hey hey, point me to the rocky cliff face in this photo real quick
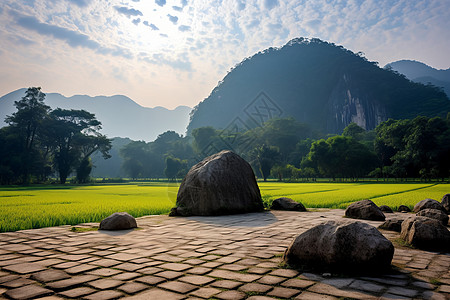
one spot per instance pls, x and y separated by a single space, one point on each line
348 103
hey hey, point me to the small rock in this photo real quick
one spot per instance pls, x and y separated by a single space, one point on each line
343 246
445 202
426 233
394 224
366 210
403 209
434 214
118 221
285 203
386 209
428 203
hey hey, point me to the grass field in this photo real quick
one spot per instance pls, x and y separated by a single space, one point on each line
35 207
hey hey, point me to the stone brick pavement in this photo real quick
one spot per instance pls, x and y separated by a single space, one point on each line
227 257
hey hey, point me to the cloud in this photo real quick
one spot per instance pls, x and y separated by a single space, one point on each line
152 26
180 63
73 38
173 19
80 3
129 12
184 3
18 40
269 4
136 21
163 35
184 28
177 8
160 2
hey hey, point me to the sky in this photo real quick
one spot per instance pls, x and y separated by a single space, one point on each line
174 52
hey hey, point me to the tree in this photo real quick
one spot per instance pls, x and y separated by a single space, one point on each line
354 131
173 167
266 157
76 136
26 123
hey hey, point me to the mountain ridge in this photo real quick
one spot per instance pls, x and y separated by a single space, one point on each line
137 123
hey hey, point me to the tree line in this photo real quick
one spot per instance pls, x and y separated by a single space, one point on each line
39 142
288 150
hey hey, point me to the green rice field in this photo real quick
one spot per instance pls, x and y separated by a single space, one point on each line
44 206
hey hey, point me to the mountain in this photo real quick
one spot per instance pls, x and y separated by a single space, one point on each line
318 83
120 116
420 72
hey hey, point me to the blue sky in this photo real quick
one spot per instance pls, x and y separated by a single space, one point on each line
170 53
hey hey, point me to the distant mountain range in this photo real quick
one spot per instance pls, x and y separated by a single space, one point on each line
317 83
120 116
420 72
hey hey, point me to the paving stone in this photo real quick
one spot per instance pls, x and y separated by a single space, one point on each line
259 298
366 286
322 288
255 287
78 292
25 268
338 282
175 266
259 271
28 292
103 284
196 280
228 259
273 280
211 264
169 274
234 276
298 283
177 286
393 297
151 280
80 269
226 284
129 267
18 283
123 256
104 295
444 288
284 273
126 276
283 292
71 282
104 272
66 265
402 291
49 262
230 295
105 262
233 267
314 296
429 295
199 270
133 287
156 293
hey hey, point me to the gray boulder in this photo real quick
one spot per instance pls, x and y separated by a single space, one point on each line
445 202
386 209
428 203
118 221
426 233
342 246
366 210
403 209
285 203
434 214
221 184
394 224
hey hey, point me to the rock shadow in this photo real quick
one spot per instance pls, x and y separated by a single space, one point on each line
257 219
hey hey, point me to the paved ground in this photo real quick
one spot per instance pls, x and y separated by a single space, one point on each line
230 257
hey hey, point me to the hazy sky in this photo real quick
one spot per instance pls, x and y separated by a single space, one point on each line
173 52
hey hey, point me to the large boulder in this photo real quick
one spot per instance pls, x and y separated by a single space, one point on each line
445 202
285 203
403 209
366 210
428 203
118 221
434 214
426 233
394 224
221 184
343 246
386 209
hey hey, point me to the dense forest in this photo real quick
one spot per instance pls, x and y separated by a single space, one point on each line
40 144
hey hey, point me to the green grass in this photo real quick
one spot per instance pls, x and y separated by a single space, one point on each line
44 206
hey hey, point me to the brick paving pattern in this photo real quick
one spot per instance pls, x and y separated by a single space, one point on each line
226 257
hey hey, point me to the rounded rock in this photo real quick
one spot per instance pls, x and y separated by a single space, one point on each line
118 221
365 210
285 203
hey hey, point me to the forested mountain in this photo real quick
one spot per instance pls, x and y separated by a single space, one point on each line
420 72
318 83
120 116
